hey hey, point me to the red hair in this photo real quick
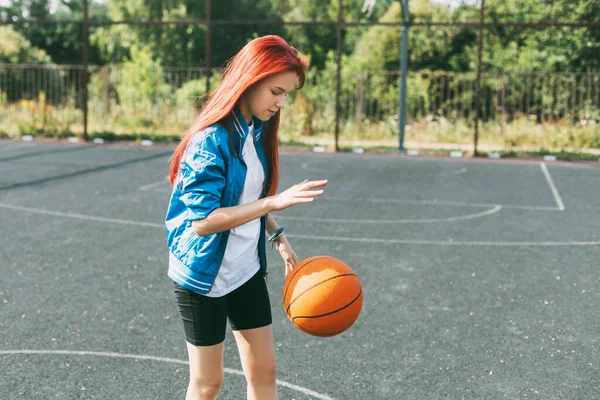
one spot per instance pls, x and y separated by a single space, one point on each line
257 60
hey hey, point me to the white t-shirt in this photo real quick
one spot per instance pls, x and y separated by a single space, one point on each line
240 261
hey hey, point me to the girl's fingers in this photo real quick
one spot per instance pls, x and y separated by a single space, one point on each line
288 268
302 200
308 193
319 183
314 184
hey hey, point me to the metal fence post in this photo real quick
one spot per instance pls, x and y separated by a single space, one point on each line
404 69
478 80
84 84
338 75
207 41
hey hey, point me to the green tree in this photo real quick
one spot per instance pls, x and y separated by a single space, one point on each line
319 40
16 49
432 48
181 45
19 83
63 42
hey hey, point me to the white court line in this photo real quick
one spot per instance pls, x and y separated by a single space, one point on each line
329 220
153 185
80 216
396 221
310 237
557 198
153 358
442 203
400 201
440 242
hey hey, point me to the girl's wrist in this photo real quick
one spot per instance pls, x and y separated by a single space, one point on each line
276 238
276 235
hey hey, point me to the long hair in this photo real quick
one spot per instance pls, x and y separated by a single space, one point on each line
257 60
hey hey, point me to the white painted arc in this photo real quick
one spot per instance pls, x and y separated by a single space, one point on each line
440 203
311 237
288 385
155 225
152 187
80 216
491 211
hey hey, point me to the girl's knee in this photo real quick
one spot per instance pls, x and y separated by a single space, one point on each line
206 388
263 373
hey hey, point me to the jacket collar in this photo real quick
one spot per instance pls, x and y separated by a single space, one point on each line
241 126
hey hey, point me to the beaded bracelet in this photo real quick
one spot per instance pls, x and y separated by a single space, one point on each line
275 236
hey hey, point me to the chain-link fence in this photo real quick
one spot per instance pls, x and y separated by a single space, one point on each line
341 104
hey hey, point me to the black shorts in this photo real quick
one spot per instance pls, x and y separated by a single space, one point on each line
205 318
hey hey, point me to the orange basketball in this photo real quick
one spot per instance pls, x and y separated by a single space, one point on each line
322 296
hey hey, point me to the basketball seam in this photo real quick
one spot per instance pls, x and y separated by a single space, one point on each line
331 312
296 270
314 286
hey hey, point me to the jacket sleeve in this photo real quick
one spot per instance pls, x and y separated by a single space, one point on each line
202 178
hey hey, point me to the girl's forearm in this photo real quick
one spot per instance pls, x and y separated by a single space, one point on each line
272 225
226 218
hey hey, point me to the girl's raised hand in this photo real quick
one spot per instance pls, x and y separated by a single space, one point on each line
298 194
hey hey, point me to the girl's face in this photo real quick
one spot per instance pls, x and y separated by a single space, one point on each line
265 98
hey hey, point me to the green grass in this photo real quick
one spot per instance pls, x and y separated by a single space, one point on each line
519 133
519 138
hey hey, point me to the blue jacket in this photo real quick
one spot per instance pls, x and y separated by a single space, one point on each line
212 175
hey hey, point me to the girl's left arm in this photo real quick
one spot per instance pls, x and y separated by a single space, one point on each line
283 246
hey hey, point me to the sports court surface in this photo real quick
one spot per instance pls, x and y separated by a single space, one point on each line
481 278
